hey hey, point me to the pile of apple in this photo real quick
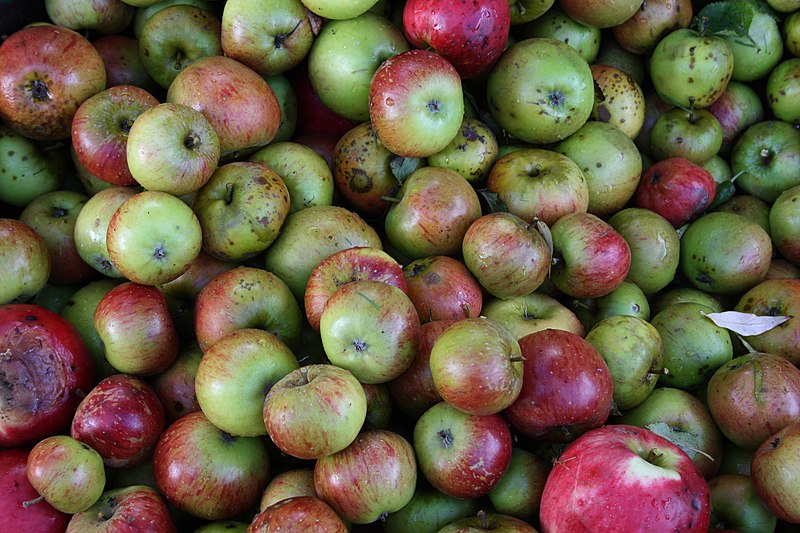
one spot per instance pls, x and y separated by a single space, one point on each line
421 266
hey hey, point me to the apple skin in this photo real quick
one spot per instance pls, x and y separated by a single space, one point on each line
25 260
303 513
641 32
29 168
519 491
676 189
47 72
737 108
753 396
488 522
47 369
287 484
774 473
767 153
208 473
442 288
556 24
122 419
104 17
460 454
374 476
16 490
735 504
533 312
428 511
175 385
601 470
123 63
567 388
132 509
695 135
134 324
784 223
778 297
470 35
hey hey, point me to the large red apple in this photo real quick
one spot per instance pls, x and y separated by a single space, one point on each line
676 189
15 490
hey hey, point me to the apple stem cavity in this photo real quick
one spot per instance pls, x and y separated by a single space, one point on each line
59 212
229 193
766 156
281 37
29 503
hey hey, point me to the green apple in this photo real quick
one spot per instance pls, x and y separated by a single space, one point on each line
791 33
755 55
775 297
471 153
523 11
523 315
338 10
625 300
428 511
145 12
519 491
784 223
768 155
606 14
287 101
105 17
749 207
719 169
694 135
24 259
736 505
27 169
555 24
677 295
783 90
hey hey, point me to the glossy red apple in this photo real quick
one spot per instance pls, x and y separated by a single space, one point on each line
302 513
442 288
16 490
676 189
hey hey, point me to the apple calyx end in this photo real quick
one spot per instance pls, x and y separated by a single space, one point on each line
446 436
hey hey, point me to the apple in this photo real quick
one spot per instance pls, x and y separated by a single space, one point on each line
695 135
333 9
523 315
241 210
782 89
123 63
345 266
420 115
620 102
737 108
428 511
775 298
735 504
105 16
287 102
644 29
749 207
784 218
172 148
774 473
46 371
767 153
555 24
47 72
234 376
535 183
208 473
471 36
135 509
442 288
567 388
379 406
40 517
484 521
676 189
375 476
370 328
519 491
287 484
462 455
315 410
134 325
153 237
174 386
306 513
524 11
121 418
24 258
67 473
540 90
624 478
29 168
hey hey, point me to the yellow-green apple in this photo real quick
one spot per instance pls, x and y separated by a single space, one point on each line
175 37
695 135
753 396
523 11
345 266
605 14
626 300
434 208
153 237
241 210
47 72
413 391
53 215
145 12
91 227
136 329
540 90
17 490
683 419
90 183
375 476
100 130
767 154
246 297
121 418
750 207
784 223
175 385
567 388
620 101
536 183
24 258
442 288
725 253
476 366
104 17
755 55
303 513
555 24
46 371
675 295
791 33
507 255
471 153
245 119
370 328
304 172
590 258
783 90
297 481
336 10
234 376
610 162
134 508
737 108
120 53
428 511
315 410
416 103
654 106
296 251
633 350
462 455
29 168
523 315
488 521
775 471
778 297
172 148
736 505
470 35
691 69
676 189
67 473
366 173
344 57
519 491
645 28
600 470
269 39
287 102
208 473
654 245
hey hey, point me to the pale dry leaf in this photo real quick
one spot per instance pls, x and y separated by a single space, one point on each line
746 324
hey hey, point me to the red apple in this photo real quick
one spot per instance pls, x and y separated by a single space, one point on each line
676 189
442 288
131 509
175 385
16 490
775 471
288 484
302 513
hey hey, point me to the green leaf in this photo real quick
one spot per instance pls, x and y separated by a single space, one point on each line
403 167
727 17
725 192
493 202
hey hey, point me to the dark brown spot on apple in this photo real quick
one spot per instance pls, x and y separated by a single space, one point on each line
59 212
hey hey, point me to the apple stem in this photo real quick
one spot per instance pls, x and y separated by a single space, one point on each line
390 199
659 372
304 374
468 309
228 193
484 518
178 59
517 359
34 501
